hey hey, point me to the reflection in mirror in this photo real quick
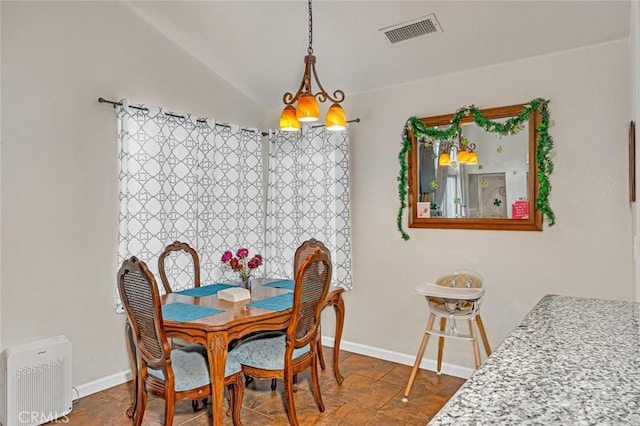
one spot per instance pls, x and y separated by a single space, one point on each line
477 169
479 175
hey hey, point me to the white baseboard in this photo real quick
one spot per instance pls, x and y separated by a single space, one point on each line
400 358
103 383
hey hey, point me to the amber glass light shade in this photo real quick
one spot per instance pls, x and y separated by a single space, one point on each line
288 120
444 159
336 118
308 108
463 156
473 158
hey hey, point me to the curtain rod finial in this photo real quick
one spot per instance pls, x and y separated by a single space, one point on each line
105 101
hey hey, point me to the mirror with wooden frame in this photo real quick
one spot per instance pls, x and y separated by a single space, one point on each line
475 178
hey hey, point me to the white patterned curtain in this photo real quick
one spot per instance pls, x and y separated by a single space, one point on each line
187 179
308 197
231 197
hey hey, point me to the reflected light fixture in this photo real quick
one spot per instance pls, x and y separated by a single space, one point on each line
444 159
307 109
473 158
463 156
464 152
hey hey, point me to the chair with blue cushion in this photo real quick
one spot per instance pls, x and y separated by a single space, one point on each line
173 375
285 356
179 265
179 258
304 250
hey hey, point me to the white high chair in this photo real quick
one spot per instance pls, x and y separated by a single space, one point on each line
454 296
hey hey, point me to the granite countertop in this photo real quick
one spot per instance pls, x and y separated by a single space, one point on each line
571 361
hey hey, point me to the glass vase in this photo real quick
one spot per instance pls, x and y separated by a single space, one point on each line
246 282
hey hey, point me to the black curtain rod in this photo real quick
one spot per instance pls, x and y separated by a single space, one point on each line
200 120
355 120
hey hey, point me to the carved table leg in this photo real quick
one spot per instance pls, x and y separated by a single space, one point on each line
217 352
338 307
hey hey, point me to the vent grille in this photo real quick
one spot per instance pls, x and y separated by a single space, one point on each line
38 391
412 29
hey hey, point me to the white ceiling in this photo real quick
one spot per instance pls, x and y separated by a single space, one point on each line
259 46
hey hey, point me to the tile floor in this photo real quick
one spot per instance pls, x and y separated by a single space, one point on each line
370 395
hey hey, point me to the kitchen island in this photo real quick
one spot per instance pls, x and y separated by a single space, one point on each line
571 361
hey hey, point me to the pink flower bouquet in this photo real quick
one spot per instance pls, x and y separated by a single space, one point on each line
241 263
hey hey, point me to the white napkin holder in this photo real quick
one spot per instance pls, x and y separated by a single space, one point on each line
234 294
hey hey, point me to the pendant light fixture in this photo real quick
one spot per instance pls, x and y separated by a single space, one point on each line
307 109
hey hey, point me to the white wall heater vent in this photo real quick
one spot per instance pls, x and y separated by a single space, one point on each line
35 386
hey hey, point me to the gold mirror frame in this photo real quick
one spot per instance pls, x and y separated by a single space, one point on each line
532 223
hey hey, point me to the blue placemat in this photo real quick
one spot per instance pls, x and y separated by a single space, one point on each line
276 303
184 312
288 284
203 291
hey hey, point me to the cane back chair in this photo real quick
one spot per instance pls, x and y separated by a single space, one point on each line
183 264
173 375
305 249
285 356
179 255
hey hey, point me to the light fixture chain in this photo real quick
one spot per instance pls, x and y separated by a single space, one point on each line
307 109
310 48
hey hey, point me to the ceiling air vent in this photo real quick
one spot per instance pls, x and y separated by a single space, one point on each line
412 29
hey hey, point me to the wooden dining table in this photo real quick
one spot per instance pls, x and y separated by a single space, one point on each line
215 332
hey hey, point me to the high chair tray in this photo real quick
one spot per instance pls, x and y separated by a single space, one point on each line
459 293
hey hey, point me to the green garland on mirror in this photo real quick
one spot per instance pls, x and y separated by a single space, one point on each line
510 127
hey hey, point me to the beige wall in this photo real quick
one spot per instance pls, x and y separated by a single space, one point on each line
587 253
59 182
59 169
0 184
634 45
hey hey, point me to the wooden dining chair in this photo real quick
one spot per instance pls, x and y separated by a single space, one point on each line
179 255
304 250
285 356
181 259
173 375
